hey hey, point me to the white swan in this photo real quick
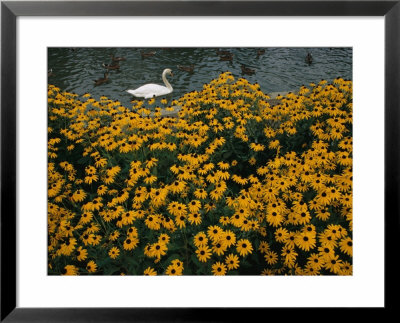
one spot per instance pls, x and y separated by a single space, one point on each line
149 91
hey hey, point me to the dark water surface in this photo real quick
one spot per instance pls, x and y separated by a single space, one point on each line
278 69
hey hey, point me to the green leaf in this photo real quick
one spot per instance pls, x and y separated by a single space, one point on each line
172 257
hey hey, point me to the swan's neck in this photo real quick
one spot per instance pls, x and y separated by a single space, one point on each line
166 81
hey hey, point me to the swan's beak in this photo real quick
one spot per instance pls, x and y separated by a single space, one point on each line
172 74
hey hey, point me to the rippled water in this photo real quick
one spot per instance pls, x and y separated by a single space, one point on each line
278 69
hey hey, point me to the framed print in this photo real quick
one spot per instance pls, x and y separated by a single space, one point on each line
197 158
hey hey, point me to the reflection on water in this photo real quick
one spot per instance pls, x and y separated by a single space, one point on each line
277 69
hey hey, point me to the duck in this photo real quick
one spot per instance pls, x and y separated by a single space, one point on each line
148 54
101 80
50 73
226 57
247 70
223 52
309 59
260 52
117 59
149 91
189 68
113 66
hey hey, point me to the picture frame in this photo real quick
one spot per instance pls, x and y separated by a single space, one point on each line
10 10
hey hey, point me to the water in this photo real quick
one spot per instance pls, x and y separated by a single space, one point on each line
277 70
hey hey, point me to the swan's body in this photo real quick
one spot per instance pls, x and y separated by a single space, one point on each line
149 91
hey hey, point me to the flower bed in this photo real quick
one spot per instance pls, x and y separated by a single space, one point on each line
232 186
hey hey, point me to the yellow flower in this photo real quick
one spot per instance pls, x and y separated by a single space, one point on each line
244 247
91 267
200 193
203 253
131 243
257 147
149 272
173 270
70 270
219 269
232 261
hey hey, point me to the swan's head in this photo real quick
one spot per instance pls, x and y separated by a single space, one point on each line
168 71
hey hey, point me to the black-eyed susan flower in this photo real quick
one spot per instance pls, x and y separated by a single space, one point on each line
114 252
200 239
81 254
274 218
228 238
219 269
194 206
327 239
271 257
132 232
67 247
79 195
200 193
203 253
164 238
195 218
130 243
305 241
214 232
232 261
326 252
208 207
173 270
281 235
346 269
91 266
86 217
346 246
333 264
289 255
153 221
150 272
168 223
177 186
219 247
244 247
87 238
70 270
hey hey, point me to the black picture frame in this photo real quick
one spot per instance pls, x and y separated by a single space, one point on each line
10 10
